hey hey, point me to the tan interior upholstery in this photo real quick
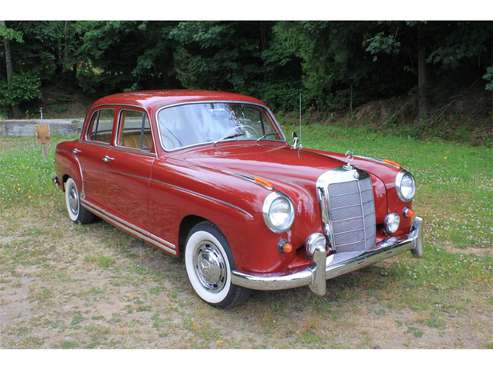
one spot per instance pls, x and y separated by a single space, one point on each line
103 137
132 140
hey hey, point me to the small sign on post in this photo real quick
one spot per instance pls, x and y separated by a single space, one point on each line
43 137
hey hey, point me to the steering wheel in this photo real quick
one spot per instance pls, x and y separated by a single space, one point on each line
252 130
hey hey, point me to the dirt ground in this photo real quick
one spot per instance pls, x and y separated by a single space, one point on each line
64 286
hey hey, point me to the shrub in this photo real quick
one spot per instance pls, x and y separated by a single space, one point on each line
23 88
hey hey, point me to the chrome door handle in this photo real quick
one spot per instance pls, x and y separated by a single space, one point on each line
76 151
107 158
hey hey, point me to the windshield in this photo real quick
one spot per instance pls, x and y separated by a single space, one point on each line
199 123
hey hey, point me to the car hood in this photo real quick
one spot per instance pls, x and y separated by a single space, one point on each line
275 162
293 172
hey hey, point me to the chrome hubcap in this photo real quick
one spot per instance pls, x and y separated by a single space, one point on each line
73 200
210 266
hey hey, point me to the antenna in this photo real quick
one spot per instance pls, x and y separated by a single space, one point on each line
296 138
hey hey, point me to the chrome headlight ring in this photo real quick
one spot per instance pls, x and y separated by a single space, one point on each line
278 212
405 186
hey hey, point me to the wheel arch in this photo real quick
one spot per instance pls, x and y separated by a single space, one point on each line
67 165
65 177
186 224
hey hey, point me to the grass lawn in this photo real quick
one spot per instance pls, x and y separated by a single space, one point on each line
68 286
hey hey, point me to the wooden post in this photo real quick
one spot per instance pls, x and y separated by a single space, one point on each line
43 137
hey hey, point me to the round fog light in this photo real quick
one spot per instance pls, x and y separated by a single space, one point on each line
315 241
391 222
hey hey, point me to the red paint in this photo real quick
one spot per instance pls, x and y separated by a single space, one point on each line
156 192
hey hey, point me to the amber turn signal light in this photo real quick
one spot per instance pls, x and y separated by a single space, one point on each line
409 213
263 182
392 163
285 246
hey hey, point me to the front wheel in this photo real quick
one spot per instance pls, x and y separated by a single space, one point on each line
209 262
76 212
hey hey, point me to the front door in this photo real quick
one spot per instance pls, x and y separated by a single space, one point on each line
129 169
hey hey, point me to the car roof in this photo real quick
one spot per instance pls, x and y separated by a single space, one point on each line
160 98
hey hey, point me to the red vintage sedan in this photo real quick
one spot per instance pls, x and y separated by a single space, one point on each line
210 175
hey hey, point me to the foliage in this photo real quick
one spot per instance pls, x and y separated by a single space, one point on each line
488 76
333 64
10 34
23 87
382 43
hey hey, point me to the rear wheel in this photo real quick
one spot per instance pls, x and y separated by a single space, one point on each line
209 264
76 212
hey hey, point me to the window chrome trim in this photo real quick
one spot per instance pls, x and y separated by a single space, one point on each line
96 111
128 149
277 126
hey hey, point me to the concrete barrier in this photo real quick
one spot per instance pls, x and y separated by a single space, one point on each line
26 127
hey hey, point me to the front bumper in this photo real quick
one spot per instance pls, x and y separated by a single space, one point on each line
324 267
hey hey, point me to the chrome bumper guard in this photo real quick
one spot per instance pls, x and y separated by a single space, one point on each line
324 267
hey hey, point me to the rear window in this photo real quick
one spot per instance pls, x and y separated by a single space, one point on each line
101 126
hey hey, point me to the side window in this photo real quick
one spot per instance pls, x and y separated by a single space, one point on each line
101 126
135 131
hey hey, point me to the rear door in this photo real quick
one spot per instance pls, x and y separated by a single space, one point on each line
129 170
92 153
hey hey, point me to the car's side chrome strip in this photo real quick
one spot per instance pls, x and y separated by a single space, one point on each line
130 228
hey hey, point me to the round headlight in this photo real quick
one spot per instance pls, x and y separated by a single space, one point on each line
405 185
392 221
278 212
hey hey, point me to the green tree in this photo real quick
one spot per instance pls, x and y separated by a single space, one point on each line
9 34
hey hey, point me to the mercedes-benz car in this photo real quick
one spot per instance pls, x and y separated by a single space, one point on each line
210 176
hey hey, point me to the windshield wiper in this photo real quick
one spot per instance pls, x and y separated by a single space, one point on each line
265 135
228 137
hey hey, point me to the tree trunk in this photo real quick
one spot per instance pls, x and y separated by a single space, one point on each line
10 69
8 56
59 55
65 47
263 36
351 100
422 80
491 64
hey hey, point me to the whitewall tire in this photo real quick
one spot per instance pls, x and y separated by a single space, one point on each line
76 212
209 264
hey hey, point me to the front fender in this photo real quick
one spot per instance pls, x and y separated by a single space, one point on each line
234 205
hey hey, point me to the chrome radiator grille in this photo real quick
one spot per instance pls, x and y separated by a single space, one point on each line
348 210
